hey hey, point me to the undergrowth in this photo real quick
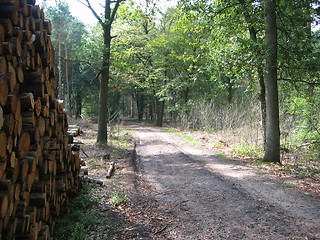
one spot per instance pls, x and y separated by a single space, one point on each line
83 217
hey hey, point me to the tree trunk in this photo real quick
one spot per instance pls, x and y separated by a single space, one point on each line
78 105
59 62
67 94
140 103
106 23
160 112
272 153
104 80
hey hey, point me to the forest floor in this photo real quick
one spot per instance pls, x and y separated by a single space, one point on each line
169 186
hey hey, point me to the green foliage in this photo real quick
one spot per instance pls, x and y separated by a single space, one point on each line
83 217
289 185
246 149
117 196
222 155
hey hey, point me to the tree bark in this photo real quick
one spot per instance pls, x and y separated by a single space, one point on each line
106 23
140 103
59 62
67 89
104 81
272 151
160 112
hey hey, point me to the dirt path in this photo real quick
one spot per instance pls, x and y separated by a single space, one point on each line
186 192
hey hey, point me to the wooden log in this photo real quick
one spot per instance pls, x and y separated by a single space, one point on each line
9 2
38 89
2 32
3 65
18 123
7 187
20 20
27 101
20 75
9 11
47 26
16 43
13 160
33 77
8 28
3 204
34 135
39 24
4 89
1 44
17 190
7 48
3 165
31 2
8 124
38 107
3 144
12 173
41 126
12 77
28 118
1 118
17 33
38 199
25 60
32 24
24 167
35 11
9 144
23 7
12 104
23 145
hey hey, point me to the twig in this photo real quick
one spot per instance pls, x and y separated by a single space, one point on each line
308 144
161 230
84 152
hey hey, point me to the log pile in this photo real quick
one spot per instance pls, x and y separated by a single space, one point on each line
39 166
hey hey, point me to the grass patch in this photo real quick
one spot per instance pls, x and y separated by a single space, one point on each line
289 185
117 197
169 130
83 218
222 155
191 140
303 169
247 149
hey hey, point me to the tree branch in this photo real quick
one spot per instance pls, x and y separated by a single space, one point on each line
115 9
88 5
301 81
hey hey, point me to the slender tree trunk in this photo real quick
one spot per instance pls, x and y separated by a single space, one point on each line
272 152
78 105
59 62
104 82
140 103
160 112
263 105
72 102
106 23
67 87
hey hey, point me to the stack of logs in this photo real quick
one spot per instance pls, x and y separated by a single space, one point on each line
39 166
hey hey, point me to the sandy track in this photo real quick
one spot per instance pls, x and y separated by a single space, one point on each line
202 196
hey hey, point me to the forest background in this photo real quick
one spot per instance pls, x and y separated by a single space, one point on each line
198 66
